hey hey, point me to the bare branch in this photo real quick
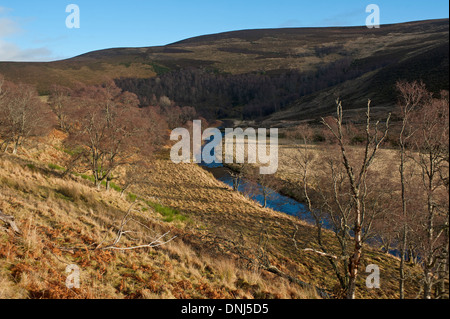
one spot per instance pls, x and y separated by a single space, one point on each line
158 241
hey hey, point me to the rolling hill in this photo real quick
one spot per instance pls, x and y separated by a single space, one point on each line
354 63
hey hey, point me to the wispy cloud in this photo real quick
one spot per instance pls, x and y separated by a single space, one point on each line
50 39
291 23
344 19
4 10
12 52
9 51
8 27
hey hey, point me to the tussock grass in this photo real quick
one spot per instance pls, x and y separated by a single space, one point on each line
64 219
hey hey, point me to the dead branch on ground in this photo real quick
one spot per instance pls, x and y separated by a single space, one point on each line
10 221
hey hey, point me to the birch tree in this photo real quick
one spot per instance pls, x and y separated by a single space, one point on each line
412 97
357 179
431 154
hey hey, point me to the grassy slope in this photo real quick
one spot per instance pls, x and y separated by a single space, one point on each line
62 219
54 213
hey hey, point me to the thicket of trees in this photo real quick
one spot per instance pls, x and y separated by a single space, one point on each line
22 114
106 128
109 128
247 96
425 191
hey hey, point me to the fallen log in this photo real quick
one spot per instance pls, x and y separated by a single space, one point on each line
10 221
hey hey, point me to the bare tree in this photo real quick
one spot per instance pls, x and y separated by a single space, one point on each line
412 96
320 207
237 173
330 203
60 104
357 183
156 126
322 201
430 147
259 184
110 125
22 115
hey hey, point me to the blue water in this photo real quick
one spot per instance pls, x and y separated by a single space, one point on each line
275 200
279 202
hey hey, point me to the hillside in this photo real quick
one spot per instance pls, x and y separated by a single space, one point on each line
354 63
66 220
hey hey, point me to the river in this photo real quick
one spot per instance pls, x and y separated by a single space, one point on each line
275 200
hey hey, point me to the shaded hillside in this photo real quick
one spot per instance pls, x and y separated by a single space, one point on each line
429 65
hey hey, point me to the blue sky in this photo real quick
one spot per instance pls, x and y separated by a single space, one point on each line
36 30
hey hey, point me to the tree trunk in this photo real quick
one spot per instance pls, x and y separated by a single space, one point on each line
429 260
122 193
428 285
403 251
356 257
97 181
5 144
404 242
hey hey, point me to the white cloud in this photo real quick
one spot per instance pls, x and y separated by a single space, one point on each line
4 10
12 52
9 51
8 27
